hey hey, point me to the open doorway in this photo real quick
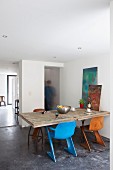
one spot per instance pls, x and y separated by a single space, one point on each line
52 79
10 89
7 114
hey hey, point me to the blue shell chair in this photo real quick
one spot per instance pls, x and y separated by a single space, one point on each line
62 131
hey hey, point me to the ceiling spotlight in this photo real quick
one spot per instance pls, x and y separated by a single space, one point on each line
54 57
79 48
4 36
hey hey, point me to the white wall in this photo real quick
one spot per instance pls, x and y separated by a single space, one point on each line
111 85
71 83
9 68
31 85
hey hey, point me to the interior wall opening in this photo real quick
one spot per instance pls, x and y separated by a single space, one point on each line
52 87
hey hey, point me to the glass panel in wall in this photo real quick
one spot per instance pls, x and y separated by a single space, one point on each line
52 85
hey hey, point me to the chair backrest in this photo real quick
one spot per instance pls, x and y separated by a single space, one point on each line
65 130
39 110
96 123
2 98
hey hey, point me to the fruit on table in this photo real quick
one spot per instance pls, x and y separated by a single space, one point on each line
60 106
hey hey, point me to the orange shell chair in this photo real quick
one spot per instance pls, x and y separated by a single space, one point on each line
96 124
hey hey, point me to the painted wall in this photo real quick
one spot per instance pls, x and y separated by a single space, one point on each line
71 84
9 68
31 85
111 84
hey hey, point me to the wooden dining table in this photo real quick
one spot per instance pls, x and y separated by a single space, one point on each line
37 119
43 119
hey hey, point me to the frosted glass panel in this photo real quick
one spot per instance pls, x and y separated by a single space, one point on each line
52 84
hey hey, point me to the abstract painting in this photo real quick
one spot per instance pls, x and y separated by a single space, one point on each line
89 78
94 94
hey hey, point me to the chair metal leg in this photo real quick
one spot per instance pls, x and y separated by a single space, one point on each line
37 134
71 147
42 137
51 153
86 144
29 134
99 138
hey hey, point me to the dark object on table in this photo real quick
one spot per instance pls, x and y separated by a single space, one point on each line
56 114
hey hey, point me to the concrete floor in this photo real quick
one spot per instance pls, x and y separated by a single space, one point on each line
7 116
15 155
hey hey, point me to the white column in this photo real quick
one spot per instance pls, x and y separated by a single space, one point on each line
31 87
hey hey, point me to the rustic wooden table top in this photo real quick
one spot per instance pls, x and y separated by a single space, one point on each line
37 119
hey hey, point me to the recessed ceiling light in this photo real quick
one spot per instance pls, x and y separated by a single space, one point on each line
79 48
4 36
14 63
54 57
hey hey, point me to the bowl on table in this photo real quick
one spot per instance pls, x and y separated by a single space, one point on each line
63 109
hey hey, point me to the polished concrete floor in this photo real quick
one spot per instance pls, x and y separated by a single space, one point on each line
7 116
15 154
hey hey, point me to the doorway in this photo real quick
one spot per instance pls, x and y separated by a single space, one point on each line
9 89
52 76
7 114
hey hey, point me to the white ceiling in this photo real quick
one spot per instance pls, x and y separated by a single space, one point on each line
45 29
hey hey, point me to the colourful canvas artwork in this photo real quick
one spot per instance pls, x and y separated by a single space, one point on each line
89 78
94 94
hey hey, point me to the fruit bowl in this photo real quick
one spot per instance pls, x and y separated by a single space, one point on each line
63 109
